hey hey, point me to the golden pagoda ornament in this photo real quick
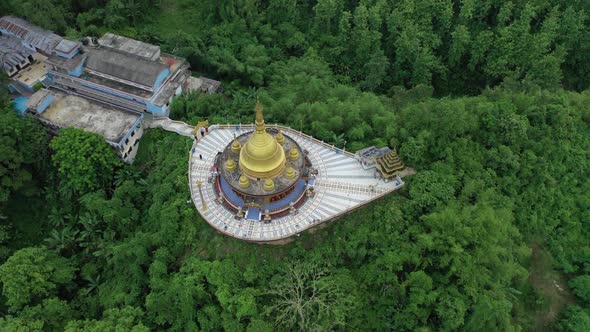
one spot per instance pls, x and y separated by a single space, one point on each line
290 172
262 157
230 165
280 138
244 182
235 146
269 185
293 154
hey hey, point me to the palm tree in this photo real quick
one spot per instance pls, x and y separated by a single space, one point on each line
56 220
93 283
89 233
62 241
338 139
103 244
127 174
133 10
243 99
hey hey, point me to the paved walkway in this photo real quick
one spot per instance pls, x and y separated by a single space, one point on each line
178 127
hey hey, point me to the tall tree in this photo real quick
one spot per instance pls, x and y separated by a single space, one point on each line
305 297
23 149
85 162
125 319
33 274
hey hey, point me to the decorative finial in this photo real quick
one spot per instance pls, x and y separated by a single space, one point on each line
235 145
268 185
244 182
294 154
280 138
259 118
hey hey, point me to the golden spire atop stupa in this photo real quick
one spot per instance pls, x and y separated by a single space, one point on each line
259 118
262 157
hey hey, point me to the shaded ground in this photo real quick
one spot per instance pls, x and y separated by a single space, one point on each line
551 285
172 17
27 215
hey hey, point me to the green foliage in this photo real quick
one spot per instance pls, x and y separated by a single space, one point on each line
5 236
574 319
84 161
212 287
38 86
447 253
430 188
50 14
114 320
11 323
33 274
457 49
581 287
23 148
4 90
495 172
307 298
52 312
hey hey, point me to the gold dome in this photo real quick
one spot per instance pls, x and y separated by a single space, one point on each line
294 154
235 146
269 185
230 165
280 138
262 157
244 182
290 172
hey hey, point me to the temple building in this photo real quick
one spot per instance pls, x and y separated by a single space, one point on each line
385 161
108 74
262 173
266 183
389 165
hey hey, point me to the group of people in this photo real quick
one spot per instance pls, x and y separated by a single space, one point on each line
203 131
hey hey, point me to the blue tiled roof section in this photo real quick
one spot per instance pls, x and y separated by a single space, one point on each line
229 194
253 213
284 202
20 104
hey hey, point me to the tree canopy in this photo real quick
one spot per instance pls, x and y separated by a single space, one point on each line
23 149
32 274
487 100
83 160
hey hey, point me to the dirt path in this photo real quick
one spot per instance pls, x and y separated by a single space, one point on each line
551 285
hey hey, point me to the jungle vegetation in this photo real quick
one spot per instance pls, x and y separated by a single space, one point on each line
487 99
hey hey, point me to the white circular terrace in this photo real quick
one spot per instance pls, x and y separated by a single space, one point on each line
341 185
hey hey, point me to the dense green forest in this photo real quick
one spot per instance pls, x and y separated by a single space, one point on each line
487 99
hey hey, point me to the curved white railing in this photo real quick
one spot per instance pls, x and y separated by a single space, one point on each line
178 127
288 130
185 129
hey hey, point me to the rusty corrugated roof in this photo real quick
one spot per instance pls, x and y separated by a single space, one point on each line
41 39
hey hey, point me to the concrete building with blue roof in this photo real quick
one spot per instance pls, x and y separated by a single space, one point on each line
78 81
121 129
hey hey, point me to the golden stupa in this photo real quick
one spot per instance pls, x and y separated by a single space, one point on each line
262 157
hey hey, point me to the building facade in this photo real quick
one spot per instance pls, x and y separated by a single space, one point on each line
107 75
267 183
121 129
